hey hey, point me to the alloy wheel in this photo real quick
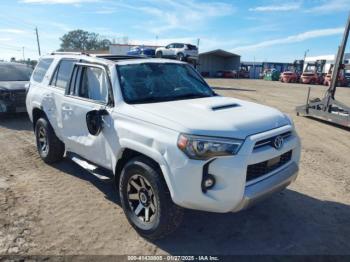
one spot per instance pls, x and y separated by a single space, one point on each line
43 140
141 198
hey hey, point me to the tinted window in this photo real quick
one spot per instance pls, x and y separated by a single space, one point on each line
92 84
179 45
63 73
191 47
41 69
157 82
14 72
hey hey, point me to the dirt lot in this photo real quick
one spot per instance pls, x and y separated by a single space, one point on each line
61 209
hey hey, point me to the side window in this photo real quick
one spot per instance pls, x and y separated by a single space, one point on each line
91 83
63 73
41 69
179 46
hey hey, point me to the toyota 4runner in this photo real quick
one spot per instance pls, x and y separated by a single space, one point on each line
168 139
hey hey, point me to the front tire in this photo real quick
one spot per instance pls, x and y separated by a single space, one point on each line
159 54
50 148
146 200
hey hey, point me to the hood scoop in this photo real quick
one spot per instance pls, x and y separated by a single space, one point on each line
222 107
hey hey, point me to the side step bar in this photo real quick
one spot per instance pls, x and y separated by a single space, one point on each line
99 172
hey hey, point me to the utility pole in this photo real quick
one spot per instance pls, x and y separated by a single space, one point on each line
37 39
305 53
23 53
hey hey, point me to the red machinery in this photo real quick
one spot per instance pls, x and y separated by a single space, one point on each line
313 73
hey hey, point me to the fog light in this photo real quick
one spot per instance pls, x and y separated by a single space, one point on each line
209 181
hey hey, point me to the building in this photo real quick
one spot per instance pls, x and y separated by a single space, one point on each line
211 62
255 69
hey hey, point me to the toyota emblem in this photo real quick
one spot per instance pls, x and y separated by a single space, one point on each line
278 143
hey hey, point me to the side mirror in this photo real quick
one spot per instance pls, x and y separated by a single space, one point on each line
94 121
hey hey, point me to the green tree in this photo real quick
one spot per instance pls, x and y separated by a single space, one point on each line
83 41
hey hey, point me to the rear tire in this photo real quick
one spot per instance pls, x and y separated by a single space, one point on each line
146 200
180 57
50 148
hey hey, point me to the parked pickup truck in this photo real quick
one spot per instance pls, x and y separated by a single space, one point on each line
170 141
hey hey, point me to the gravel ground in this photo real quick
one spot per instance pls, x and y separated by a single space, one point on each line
62 209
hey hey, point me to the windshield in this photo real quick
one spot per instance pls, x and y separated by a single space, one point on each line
159 82
14 72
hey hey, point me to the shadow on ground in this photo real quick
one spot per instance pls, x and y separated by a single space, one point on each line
17 122
232 89
287 223
105 186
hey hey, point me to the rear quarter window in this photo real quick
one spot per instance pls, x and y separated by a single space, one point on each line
41 69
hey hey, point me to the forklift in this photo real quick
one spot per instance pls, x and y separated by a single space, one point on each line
328 108
293 72
313 73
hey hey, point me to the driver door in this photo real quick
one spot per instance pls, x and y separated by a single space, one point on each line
169 49
88 90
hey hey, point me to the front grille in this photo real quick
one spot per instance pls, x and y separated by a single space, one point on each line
18 97
263 168
269 141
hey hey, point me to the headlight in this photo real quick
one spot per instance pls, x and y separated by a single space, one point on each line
203 148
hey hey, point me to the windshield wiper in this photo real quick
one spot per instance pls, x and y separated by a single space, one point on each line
190 96
167 98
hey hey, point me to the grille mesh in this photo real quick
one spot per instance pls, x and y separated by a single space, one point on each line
263 168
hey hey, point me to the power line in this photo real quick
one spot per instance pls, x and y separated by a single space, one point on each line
16 47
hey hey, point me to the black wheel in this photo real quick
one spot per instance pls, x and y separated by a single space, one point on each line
180 57
159 54
146 200
50 148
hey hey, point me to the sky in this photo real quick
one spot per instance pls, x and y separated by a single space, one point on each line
260 30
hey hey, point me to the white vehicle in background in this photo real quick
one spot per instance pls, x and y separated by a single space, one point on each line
181 52
168 139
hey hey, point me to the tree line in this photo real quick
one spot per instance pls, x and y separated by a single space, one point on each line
80 40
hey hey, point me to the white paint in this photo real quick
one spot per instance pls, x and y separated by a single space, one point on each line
153 129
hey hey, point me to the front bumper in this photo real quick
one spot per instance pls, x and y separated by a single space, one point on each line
12 107
232 191
14 102
263 189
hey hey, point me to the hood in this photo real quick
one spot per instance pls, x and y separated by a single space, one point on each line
13 85
216 116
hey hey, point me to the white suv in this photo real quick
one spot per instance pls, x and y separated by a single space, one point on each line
170 141
181 52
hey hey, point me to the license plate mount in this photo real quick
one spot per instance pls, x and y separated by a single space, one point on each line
273 161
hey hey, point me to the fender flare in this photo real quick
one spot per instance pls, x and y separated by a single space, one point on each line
155 156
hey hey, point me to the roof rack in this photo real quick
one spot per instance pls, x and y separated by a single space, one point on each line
70 53
117 57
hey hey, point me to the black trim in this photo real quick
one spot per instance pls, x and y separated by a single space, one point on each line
214 108
205 175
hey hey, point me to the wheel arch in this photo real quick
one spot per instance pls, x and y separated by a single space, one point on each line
38 113
129 152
